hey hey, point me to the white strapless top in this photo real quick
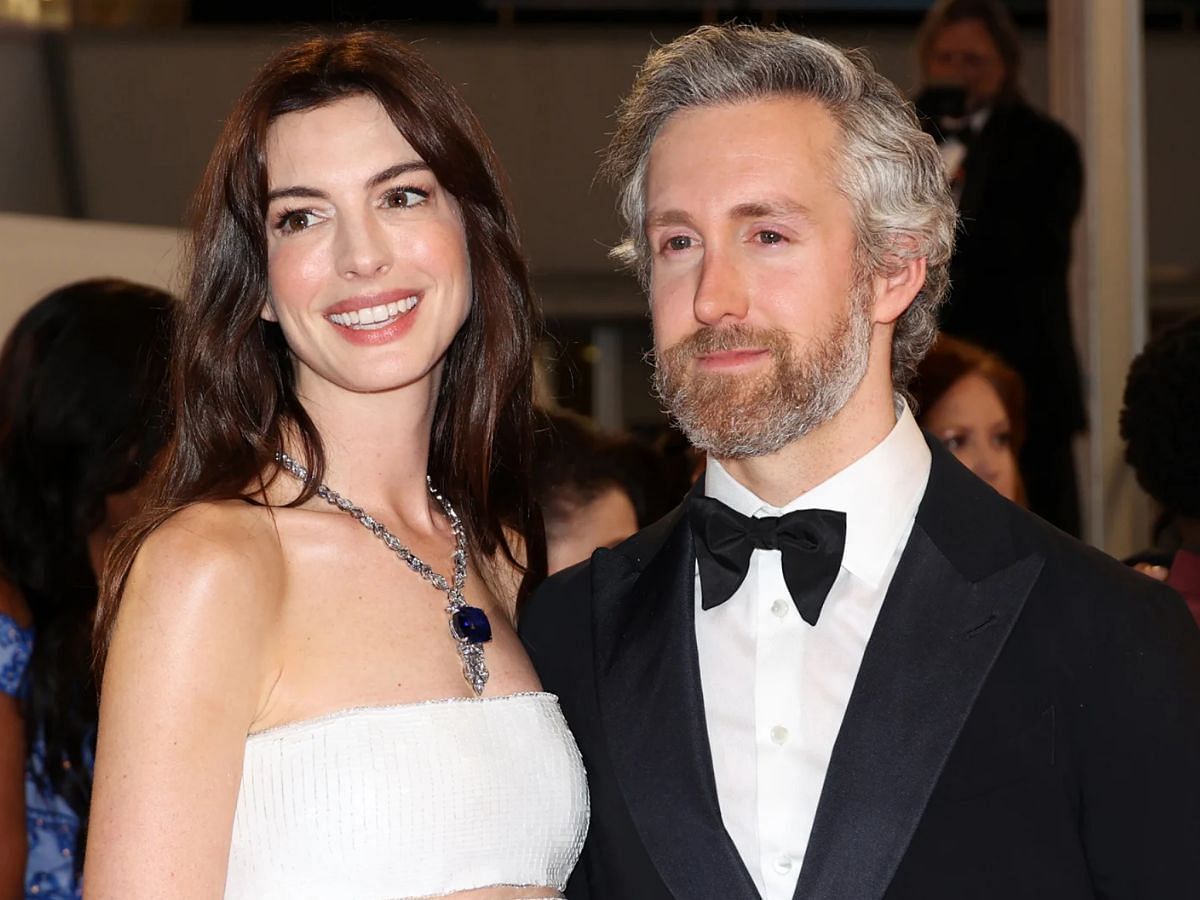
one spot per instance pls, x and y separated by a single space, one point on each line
419 800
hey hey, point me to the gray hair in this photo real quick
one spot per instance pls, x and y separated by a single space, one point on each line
888 169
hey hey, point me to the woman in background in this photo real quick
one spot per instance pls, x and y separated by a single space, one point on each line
81 405
312 686
974 403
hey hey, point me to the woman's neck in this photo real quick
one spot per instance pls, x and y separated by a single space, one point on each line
377 447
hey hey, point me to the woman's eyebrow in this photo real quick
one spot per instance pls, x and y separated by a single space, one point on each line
299 190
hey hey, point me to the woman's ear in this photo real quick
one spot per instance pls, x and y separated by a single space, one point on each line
267 313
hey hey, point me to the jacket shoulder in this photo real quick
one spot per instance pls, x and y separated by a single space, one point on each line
564 601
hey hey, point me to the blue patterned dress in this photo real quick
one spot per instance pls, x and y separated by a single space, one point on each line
50 871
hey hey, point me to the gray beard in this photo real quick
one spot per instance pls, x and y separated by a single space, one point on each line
739 416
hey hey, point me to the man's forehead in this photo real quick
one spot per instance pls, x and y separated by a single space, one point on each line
745 138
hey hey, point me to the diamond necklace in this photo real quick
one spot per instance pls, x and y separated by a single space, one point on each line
469 625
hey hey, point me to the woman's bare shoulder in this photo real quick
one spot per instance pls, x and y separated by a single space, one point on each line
215 534
223 555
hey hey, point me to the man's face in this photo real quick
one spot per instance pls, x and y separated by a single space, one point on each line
761 321
964 54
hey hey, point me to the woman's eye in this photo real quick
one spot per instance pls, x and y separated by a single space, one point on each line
404 198
678 242
1004 439
953 442
770 237
294 220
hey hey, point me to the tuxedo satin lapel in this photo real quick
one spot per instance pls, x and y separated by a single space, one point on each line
936 639
652 713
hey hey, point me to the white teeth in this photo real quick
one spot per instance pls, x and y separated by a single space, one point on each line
374 316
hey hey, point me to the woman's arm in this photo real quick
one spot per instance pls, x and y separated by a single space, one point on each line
14 658
187 672
13 839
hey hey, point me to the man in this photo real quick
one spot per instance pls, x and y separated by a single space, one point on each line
1018 180
905 687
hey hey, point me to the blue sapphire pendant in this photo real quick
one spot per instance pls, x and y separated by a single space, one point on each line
471 625
470 628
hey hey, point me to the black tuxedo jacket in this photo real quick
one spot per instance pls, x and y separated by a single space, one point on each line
1025 724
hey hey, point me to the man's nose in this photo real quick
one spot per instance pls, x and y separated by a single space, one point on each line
721 294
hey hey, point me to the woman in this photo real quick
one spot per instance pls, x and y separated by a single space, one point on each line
294 705
972 402
81 403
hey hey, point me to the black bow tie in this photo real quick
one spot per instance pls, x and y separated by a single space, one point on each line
811 541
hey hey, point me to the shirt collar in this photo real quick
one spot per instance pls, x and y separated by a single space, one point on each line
879 493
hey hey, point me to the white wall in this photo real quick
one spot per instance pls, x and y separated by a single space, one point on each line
38 254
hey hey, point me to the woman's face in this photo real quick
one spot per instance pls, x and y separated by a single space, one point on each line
969 419
366 253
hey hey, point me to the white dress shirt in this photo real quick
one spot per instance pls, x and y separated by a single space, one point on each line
775 688
954 151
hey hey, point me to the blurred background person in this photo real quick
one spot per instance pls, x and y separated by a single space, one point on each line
1160 423
975 405
589 485
1018 180
81 407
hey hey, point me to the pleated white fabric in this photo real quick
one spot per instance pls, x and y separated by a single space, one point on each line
417 800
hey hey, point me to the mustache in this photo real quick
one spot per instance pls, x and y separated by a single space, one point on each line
725 338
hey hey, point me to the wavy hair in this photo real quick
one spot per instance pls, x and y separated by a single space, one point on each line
888 169
232 382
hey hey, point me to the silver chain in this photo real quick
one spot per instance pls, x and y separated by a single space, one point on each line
468 638
452 590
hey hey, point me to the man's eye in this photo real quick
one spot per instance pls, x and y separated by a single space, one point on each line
770 237
403 198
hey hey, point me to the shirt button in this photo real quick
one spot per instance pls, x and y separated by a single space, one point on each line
780 607
783 865
779 735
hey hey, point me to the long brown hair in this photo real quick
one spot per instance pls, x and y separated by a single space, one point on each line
232 382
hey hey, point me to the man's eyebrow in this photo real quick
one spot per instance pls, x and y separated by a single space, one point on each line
769 209
668 217
299 190
755 209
